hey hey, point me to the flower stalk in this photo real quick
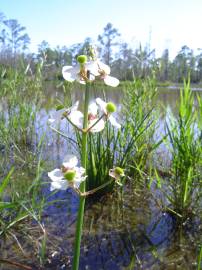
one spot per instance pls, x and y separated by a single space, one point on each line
80 216
90 121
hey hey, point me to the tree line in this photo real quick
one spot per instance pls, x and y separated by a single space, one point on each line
126 62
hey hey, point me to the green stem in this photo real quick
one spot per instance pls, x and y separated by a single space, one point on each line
75 126
79 224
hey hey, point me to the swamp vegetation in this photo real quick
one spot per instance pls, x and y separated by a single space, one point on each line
152 220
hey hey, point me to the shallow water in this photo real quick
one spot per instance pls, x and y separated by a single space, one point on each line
122 231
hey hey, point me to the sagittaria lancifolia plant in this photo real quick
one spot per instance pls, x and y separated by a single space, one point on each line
91 120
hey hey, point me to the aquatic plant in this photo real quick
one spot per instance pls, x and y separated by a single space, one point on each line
139 114
21 206
90 121
184 133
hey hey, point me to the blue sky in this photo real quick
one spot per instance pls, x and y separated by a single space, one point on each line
165 23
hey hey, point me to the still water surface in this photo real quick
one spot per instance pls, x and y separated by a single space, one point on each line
127 230
124 230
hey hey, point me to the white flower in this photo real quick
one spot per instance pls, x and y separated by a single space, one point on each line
103 105
78 73
72 113
58 179
93 108
93 118
98 127
100 69
70 161
76 117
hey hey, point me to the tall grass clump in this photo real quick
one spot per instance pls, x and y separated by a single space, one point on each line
21 94
139 115
128 147
184 134
102 156
21 205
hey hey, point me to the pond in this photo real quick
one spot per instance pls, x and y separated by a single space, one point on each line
123 230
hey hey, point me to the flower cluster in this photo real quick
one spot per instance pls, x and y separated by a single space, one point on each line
98 112
87 71
69 175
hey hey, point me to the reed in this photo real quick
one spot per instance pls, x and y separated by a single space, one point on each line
21 206
129 147
184 134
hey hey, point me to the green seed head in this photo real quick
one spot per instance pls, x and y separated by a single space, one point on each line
82 59
69 175
110 107
119 171
59 107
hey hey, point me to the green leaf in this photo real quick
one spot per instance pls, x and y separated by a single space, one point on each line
5 181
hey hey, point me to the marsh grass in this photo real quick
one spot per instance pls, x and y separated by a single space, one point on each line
21 94
128 147
140 122
21 200
184 134
22 204
101 158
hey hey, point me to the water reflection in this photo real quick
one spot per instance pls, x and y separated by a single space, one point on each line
121 231
125 231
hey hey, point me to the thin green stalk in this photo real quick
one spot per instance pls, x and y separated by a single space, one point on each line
95 123
79 224
199 259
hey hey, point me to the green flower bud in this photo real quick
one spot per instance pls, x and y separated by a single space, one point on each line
69 175
119 171
110 107
82 59
59 107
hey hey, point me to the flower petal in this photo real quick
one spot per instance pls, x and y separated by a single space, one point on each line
75 106
103 67
92 66
77 118
111 81
78 181
93 108
70 73
112 174
62 184
92 77
70 161
98 127
114 122
56 175
79 171
102 104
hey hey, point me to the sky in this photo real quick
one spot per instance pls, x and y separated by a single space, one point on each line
160 23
